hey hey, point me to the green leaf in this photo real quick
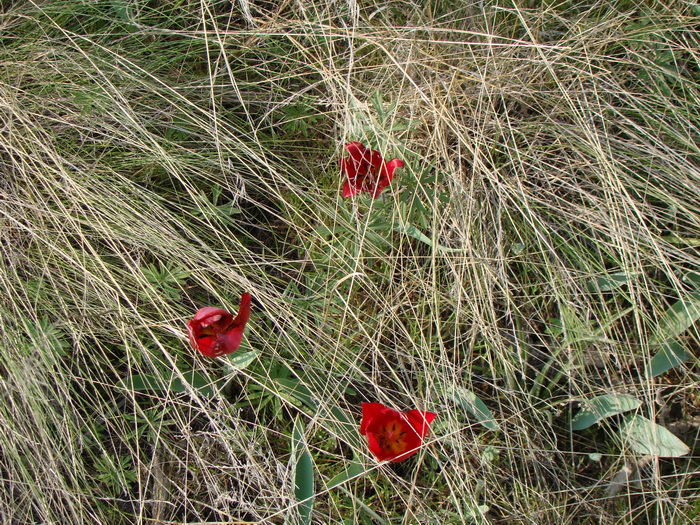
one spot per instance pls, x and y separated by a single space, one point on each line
677 319
414 232
190 380
241 360
345 428
601 407
693 278
303 474
518 248
292 387
646 437
475 406
342 425
555 328
121 9
669 356
609 282
353 470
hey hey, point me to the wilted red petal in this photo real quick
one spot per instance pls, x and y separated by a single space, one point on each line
358 164
211 346
380 184
374 158
209 314
366 171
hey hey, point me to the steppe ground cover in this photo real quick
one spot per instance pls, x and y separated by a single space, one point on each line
531 274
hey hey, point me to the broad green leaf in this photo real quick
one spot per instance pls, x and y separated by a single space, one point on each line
601 407
241 360
345 427
338 422
677 319
609 282
195 381
121 9
292 387
646 437
681 241
693 278
142 382
353 470
303 474
414 232
555 328
475 406
517 248
669 356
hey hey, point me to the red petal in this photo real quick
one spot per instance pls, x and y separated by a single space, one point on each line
205 345
208 311
374 158
419 421
369 412
192 332
385 176
214 332
349 167
366 170
243 311
350 190
231 340
375 449
357 151
381 184
389 167
413 444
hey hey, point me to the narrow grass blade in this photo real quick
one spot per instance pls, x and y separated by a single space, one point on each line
342 425
646 437
601 407
345 427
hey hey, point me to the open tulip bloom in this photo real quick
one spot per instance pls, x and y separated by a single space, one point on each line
215 332
392 435
366 171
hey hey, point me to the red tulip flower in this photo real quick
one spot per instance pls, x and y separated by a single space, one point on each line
366 171
216 332
393 435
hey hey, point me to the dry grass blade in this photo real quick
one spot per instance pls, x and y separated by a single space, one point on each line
157 157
